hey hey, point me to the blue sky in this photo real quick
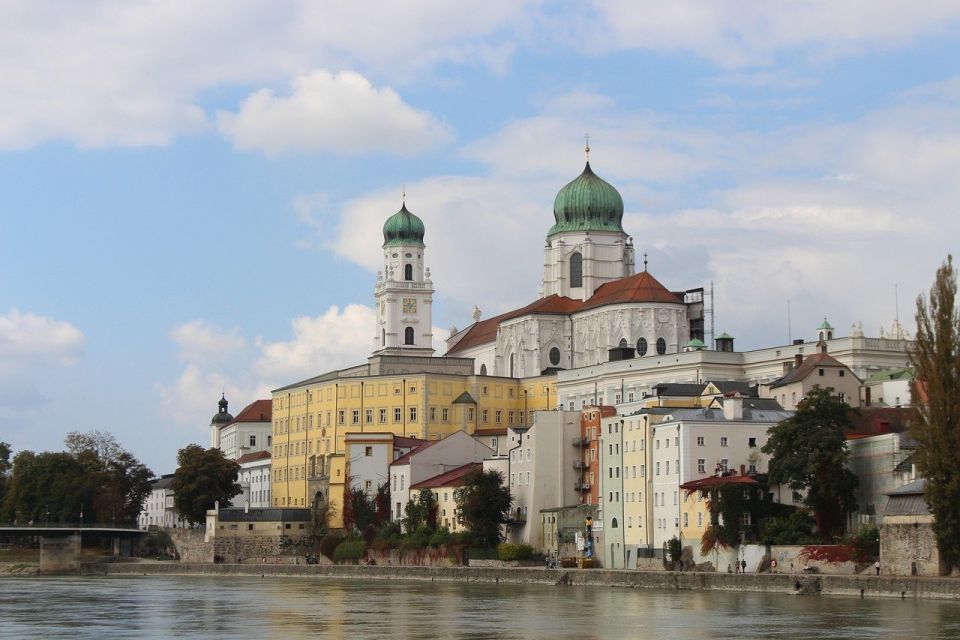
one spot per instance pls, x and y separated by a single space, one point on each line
191 193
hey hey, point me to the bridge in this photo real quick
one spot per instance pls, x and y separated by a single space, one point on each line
60 544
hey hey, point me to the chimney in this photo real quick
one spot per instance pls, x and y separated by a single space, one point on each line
733 407
743 469
797 360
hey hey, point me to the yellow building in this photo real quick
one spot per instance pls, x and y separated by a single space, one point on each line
412 396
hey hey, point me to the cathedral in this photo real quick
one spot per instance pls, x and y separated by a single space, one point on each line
592 306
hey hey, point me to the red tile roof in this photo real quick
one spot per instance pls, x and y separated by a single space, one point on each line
486 330
256 411
253 457
876 421
717 481
502 431
407 442
452 478
640 287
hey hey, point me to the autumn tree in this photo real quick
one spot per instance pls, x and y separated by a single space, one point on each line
935 423
808 453
483 503
203 478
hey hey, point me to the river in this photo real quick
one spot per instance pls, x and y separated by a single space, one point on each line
207 608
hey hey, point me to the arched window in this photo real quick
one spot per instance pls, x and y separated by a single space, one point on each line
554 356
642 347
576 270
408 272
383 337
613 523
623 343
483 369
661 346
511 365
408 335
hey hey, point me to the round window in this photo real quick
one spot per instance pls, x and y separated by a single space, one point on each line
409 255
642 347
554 356
395 255
661 346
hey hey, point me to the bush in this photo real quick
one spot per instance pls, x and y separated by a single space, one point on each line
460 537
440 537
329 543
509 552
350 551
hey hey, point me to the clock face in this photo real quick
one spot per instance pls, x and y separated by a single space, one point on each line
409 305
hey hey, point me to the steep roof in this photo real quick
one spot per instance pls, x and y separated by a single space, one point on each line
256 411
811 362
640 287
486 330
452 478
407 442
405 458
253 457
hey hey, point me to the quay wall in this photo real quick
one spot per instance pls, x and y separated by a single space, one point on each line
847 585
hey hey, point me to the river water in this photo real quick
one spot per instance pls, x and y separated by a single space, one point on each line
207 608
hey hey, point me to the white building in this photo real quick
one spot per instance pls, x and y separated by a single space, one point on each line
430 460
690 444
158 508
250 431
254 480
540 472
887 388
368 456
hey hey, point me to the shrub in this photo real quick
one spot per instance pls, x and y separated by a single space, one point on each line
350 551
329 543
381 544
460 537
508 552
440 537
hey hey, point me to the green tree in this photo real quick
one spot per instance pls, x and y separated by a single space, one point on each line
808 452
935 423
483 503
421 512
203 478
359 510
5 466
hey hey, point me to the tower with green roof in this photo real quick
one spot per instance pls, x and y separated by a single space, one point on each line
586 246
824 331
404 290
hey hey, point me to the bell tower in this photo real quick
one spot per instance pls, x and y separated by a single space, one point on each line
404 290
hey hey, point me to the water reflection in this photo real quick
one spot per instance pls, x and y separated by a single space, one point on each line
292 608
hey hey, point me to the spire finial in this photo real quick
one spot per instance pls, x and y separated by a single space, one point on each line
403 194
644 261
586 148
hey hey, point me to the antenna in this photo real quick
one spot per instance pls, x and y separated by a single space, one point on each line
713 340
586 148
896 301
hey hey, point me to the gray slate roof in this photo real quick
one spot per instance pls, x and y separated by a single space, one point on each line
267 514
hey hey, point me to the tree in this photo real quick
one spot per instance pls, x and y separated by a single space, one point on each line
809 453
102 444
5 466
359 510
935 423
421 512
203 478
483 503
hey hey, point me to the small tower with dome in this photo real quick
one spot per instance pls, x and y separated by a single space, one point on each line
404 290
219 420
587 245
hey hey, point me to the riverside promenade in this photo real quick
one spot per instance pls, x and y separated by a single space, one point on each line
801 584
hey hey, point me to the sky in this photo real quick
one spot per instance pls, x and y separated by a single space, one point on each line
192 193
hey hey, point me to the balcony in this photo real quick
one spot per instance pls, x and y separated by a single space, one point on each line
580 442
517 517
580 464
581 486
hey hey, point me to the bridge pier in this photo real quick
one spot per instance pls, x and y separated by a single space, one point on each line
60 553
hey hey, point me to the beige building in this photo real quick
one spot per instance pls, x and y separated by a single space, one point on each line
818 369
444 487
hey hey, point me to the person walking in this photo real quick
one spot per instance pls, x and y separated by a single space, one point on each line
743 566
876 565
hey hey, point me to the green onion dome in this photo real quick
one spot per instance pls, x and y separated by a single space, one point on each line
589 203
403 228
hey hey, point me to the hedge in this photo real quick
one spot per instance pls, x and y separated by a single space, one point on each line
350 551
508 552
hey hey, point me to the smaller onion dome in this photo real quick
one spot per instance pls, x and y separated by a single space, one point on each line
222 416
403 227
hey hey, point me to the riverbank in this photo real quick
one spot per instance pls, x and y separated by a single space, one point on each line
846 585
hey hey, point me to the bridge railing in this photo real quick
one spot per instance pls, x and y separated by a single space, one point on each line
67 525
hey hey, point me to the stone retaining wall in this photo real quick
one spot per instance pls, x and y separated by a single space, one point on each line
872 586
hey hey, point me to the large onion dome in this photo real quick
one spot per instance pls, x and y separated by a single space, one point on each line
222 416
403 228
589 203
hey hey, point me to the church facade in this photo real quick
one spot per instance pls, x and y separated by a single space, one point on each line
591 303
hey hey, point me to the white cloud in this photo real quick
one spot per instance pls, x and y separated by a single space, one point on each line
737 34
199 341
31 338
342 113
